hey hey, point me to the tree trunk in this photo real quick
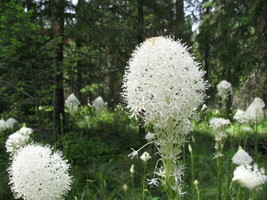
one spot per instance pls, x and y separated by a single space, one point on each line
58 92
140 29
78 40
179 30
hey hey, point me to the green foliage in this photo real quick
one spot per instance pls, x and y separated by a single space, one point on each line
227 40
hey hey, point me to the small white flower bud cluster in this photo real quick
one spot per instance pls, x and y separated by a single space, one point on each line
239 116
224 89
145 156
219 123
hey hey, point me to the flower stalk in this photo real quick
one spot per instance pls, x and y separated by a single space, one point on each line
164 84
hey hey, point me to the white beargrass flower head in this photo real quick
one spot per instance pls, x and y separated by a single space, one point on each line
72 103
163 84
239 116
250 177
37 173
72 100
25 131
218 126
224 89
241 157
10 122
145 156
254 112
3 125
162 81
219 123
150 136
16 141
99 103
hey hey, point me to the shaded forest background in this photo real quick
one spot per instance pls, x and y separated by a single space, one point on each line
52 48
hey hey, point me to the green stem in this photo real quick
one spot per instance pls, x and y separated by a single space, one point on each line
239 193
198 192
192 169
255 128
253 195
132 179
144 184
219 170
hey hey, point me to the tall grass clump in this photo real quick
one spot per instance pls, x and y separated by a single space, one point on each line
163 85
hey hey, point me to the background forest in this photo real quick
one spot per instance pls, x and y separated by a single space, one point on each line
50 49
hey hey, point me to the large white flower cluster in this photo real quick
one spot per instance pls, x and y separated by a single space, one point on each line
254 112
241 157
162 80
239 116
164 85
18 139
36 173
250 176
224 89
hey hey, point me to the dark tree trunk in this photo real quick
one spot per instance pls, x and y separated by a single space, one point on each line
179 29
140 31
78 40
58 93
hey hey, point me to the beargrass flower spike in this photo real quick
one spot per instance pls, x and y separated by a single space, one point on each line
10 122
242 157
163 81
224 89
16 141
250 176
254 112
163 84
37 173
